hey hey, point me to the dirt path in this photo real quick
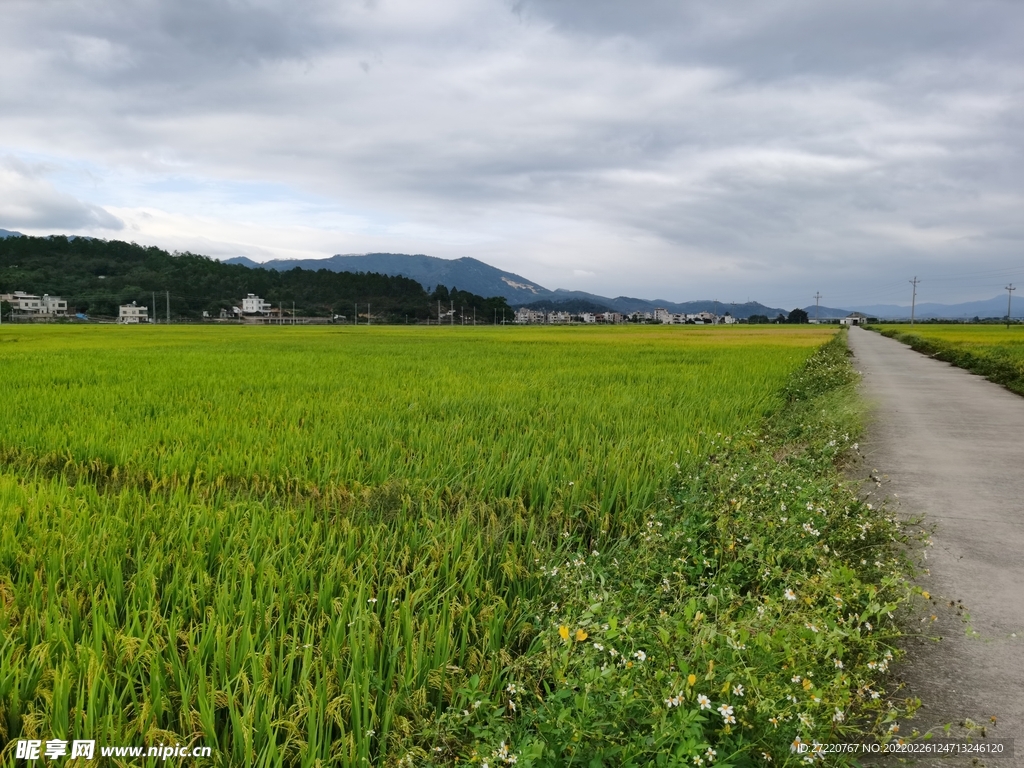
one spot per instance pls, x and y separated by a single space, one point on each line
952 447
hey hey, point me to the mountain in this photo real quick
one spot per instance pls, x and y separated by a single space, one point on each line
97 276
994 307
9 233
473 275
828 313
466 274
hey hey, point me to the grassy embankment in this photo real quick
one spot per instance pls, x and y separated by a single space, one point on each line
563 546
992 351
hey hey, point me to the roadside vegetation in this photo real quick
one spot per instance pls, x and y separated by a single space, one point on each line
402 547
992 351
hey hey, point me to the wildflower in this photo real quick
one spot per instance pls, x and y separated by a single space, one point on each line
811 627
796 679
710 754
598 646
737 690
691 680
726 712
806 719
511 705
796 745
767 757
704 701
640 656
838 663
580 635
838 717
563 632
476 704
698 760
774 721
790 594
512 689
372 600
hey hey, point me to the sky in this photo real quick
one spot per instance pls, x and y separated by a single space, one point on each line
714 149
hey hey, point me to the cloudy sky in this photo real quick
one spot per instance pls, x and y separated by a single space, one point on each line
720 149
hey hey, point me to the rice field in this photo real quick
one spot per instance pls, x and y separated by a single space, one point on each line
993 351
306 546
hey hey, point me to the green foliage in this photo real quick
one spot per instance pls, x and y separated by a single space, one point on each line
797 316
95 276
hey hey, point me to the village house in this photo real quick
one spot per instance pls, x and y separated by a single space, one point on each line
132 314
28 304
254 305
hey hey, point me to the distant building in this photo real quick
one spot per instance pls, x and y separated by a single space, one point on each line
854 318
54 305
29 304
133 314
588 317
526 316
254 305
662 315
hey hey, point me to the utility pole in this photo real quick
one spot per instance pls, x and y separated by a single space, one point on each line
913 300
451 314
817 298
1009 298
293 313
367 313
154 307
168 307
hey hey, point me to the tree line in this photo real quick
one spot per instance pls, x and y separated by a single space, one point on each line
97 276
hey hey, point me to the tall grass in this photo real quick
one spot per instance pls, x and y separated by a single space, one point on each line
303 547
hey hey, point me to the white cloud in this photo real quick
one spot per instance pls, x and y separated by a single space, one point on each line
685 150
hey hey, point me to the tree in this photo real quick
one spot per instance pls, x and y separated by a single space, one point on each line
798 316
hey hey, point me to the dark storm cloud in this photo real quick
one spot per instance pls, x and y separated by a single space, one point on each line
785 143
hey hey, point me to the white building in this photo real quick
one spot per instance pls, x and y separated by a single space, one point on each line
254 305
662 315
29 304
526 316
854 318
54 305
23 303
133 314
588 317
559 318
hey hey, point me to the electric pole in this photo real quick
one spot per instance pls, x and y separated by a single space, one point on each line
367 313
451 314
168 307
293 313
1009 298
817 298
913 300
154 307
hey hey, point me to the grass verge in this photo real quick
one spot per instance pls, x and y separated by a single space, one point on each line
752 614
995 363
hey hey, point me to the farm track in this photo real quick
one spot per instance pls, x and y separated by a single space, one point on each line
950 445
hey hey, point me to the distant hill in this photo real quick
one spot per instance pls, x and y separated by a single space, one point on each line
466 274
9 233
994 307
474 275
95 276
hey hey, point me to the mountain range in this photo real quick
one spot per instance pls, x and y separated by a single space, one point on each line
469 274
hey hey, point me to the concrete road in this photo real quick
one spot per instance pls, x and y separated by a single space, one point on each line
950 445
